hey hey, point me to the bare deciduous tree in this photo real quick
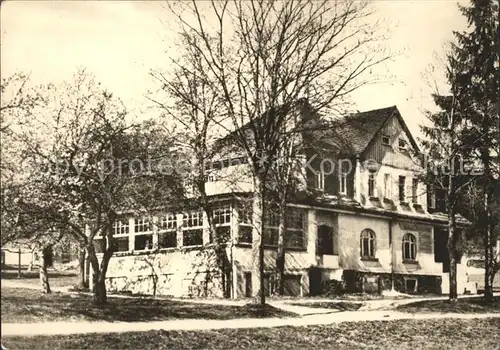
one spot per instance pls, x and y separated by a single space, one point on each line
259 58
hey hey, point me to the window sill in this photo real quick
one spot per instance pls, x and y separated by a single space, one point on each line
271 246
367 258
410 262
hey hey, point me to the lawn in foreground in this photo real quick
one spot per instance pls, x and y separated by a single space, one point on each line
29 306
398 334
56 278
463 305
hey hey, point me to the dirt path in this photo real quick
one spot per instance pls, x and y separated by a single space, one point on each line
65 328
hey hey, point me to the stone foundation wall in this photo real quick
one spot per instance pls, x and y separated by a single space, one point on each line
363 282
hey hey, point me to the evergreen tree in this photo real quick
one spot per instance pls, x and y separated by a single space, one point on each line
478 51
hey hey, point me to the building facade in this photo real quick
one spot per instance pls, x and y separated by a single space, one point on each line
368 223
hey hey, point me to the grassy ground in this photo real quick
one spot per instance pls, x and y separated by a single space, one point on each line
466 305
56 278
28 305
400 334
339 305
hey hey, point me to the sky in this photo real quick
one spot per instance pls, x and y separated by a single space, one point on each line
121 41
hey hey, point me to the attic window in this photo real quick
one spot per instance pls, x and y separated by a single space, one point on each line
402 144
386 140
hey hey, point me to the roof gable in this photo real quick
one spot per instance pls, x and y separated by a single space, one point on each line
360 129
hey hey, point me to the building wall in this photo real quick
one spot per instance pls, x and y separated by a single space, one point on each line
184 272
193 271
350 228
390 154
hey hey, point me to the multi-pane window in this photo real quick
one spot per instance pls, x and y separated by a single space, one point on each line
121 227
222 221
245 227
192 228
343 183
367 244
371 184
414 191
121 234
402 184
409 247
143 225
295 229
320 180
143 237
271 222
222 215
387 186
167 235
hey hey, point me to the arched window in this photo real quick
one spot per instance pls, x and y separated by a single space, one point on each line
409 247
367 244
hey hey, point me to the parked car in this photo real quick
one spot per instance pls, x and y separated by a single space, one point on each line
475 276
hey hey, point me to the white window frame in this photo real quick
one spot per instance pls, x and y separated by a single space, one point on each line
143 226
402 144
411 240
372 243
222 216
121 228
387 186
320 180
372 178
244 220
414 190
343 183
224 213
292 216
211 177
191 222
167 224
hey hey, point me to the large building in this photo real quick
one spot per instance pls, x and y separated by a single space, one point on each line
371 223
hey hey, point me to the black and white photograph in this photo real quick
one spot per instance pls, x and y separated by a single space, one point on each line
250 174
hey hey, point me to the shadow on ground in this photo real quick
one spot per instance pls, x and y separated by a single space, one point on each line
464 305
25 305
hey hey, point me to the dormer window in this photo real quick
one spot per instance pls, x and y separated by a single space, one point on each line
402 144
386 140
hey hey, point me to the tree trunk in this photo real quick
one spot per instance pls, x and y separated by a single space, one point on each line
44 276
488 240
99 271
488 251
280 254
453 295
99 288
258 291
83 282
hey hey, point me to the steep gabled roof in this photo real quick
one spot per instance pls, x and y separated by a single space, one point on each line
361 128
